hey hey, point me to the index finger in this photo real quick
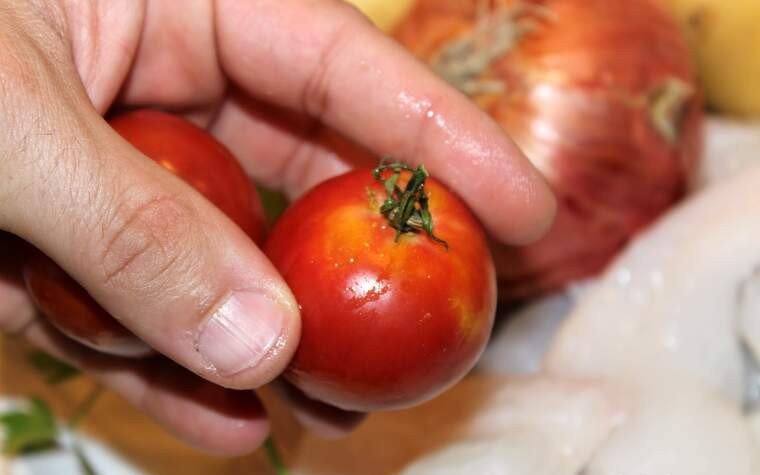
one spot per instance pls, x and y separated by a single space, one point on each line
325 59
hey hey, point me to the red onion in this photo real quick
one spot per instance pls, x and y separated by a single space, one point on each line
601 97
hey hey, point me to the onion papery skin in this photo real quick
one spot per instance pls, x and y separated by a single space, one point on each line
581 90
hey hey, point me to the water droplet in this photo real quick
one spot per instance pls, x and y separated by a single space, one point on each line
623 276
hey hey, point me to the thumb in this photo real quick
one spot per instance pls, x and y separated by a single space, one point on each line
146 246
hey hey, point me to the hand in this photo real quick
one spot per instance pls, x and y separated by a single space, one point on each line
199 291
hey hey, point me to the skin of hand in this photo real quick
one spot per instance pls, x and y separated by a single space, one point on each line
259 75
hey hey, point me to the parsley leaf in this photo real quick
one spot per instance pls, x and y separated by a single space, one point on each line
28 429
52 369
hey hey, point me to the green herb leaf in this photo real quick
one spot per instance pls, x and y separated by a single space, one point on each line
52 369
274 202
29 429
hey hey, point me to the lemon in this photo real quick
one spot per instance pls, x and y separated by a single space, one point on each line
386 14
725 38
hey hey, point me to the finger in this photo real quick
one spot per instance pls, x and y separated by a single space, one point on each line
176 63
203 415
325 59
104 39
324 420
147 54
147 247
283 149
16 309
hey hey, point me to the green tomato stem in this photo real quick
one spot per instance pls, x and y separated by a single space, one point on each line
85 407
406 210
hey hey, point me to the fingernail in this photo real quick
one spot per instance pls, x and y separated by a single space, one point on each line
241 332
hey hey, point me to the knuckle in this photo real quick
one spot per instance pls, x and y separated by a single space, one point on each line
147 245
315 94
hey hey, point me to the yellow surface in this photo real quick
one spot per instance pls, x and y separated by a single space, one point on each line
725 38
386 14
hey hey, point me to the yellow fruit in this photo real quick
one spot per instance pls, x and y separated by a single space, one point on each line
384 13
725 38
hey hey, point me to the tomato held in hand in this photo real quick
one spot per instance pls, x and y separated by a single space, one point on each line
396 288
188 152
200 160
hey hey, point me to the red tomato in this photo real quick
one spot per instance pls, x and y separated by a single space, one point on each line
386 323
200 160
70 308
193 155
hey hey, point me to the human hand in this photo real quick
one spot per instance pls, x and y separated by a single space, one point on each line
258 75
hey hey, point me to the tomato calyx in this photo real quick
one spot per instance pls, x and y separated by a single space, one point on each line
406 210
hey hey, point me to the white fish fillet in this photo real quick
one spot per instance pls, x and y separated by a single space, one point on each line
664 326
670 302
561 420
546 426
679 429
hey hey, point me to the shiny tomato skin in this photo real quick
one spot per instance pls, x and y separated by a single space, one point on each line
386 324
188 152
200 160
